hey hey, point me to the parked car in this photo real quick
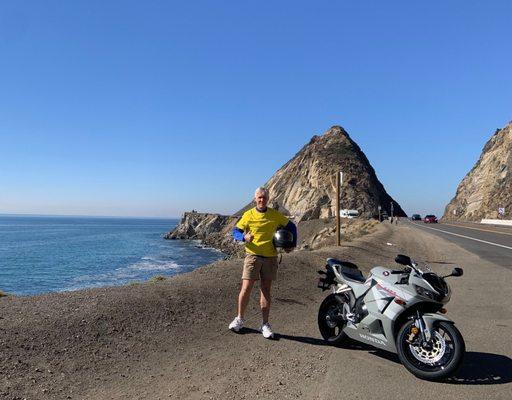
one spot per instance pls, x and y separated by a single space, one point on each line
349 213
430 219
416 217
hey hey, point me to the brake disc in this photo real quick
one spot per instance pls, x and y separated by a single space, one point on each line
432 355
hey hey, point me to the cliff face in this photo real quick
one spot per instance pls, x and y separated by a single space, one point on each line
488 186
305 187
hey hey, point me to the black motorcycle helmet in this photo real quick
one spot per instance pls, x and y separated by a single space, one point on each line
283 239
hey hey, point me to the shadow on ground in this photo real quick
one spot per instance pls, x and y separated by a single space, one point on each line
477 368
279 336
484 369
302 339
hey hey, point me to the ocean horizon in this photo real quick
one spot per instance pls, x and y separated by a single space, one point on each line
55 253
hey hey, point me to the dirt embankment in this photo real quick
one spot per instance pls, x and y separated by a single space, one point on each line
169 339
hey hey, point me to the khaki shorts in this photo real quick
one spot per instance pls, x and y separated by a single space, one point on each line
256 267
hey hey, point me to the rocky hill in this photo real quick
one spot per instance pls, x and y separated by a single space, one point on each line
304 189
488 186
305 186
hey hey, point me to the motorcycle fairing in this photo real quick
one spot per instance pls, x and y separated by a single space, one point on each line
431 318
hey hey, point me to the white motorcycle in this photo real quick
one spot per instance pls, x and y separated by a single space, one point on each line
400 311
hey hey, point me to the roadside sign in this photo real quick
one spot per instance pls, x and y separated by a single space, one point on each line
501 210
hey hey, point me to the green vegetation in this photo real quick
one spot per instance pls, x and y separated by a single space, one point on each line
157 278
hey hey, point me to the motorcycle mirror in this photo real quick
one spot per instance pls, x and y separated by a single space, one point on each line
404 260
456 272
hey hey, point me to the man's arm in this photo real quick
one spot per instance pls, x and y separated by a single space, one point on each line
239 228
238 234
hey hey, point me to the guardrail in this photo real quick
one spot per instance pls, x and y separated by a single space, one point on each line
506 222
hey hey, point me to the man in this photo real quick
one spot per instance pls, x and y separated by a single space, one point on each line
256 229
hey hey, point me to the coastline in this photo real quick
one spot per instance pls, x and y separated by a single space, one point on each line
68 344
56 254
86 343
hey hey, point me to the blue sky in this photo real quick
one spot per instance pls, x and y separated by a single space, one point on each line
158 107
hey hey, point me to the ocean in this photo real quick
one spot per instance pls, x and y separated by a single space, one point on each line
40 254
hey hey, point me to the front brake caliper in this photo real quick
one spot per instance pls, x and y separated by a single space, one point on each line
413 332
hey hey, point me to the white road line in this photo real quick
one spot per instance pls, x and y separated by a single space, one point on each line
467 237
477 229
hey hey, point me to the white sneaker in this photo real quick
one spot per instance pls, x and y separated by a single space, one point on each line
236 324
266 330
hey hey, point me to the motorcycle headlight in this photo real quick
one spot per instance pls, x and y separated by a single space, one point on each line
426 293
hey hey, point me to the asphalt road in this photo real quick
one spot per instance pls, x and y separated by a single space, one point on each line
491 243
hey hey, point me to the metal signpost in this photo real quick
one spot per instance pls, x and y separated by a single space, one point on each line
339 181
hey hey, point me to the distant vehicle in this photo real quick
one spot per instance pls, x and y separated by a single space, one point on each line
383 216
430 219
416 217
349 213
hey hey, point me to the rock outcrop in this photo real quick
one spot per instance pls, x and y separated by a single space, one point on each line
305 187
488 186
195 225
214 230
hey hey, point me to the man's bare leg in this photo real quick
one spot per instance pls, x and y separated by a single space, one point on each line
245 294
265 299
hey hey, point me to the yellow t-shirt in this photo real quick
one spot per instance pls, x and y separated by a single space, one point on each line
262 225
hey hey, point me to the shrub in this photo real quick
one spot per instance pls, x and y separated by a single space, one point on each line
157 278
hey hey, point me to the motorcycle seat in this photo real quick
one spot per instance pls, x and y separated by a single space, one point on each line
332 261
348 270
352 274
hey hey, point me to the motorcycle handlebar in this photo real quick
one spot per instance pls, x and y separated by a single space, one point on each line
401 271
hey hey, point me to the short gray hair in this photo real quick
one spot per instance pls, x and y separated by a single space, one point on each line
261 189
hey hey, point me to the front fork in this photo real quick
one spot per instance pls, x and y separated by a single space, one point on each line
420 328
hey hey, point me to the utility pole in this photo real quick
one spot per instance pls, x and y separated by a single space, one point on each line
391 211
339 181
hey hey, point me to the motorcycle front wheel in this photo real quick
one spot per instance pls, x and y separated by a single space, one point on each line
330 322
439 359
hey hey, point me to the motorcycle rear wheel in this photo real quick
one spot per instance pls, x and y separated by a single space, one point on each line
329 311
439 361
